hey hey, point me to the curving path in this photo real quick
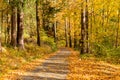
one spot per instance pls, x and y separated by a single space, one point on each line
53 68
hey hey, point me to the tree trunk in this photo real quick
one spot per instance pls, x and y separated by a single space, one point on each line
82 33
117 31
75 38
0 35
84 29
66 32
91 28
13 26
70 38
55 24
38 24
86 24
55 31
1 21
20 28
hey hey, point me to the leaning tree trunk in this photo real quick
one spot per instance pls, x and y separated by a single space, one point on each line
20 28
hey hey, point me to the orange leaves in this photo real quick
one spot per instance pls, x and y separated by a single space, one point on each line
90 69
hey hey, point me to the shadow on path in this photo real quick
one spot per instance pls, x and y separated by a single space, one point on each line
53 68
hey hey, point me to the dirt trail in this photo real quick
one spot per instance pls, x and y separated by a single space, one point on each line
53 68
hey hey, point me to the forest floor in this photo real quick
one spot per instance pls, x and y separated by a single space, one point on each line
54 67
66 64
91 69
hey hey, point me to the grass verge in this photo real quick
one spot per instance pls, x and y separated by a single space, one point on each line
14 61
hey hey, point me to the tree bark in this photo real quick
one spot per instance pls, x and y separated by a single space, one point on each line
117 30
66 32
70 38
38 24
84 29
82 33
55 31
20 28
55 24
0 35
87 24
13 26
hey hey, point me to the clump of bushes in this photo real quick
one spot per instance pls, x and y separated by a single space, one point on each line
109 54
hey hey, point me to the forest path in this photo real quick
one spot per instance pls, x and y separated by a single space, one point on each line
53 68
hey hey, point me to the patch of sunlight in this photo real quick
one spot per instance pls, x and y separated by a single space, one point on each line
46 75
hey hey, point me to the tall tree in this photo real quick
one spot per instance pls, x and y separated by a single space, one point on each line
70 37
20 27
66 31
0 35
13 23
117 30
38 22
55 23
87 24
84 28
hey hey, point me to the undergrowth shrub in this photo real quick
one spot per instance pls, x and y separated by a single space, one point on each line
107 53
48 41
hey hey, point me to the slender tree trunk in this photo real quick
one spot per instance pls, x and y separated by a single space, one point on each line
103 17
8 27
55 25
13 26
87 24
20 28
70 38
66 32
117 31
0 35
55 31
91 29
1 21
84 28
75 40
82 33
0 43
38 23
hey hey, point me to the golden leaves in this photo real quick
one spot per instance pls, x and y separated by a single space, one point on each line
90 69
